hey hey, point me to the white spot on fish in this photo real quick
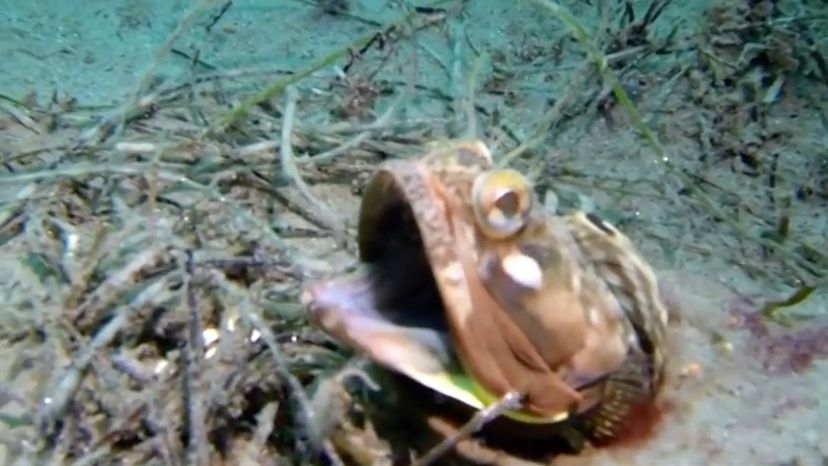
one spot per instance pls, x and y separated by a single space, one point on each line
453 272
594 316
576 282
524 270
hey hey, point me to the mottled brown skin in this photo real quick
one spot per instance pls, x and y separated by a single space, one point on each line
490 345
589 339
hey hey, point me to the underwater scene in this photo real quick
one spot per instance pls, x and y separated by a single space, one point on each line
414 232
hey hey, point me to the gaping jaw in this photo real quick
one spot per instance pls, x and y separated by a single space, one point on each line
391 310
421 308
426 305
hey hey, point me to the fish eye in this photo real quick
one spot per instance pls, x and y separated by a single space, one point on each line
501 201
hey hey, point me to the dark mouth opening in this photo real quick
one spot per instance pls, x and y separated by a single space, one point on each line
405 292
402 280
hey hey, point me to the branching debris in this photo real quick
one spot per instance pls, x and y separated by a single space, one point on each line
155 254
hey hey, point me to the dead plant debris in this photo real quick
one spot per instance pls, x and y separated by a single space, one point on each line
154 252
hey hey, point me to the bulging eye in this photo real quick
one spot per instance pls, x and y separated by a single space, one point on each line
501 201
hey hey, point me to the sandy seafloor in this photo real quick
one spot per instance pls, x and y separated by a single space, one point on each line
729 409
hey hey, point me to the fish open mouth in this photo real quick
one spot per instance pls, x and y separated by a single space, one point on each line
391 309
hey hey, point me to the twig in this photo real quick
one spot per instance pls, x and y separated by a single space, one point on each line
347 14
602 65
330 400
94 457
369 130
54 405
217 17
288 162
172 91
186 21
141 169
166 441
8 394
382 123
83 277
508 402
305 416
21 117
238 262
275 89
662 158
194 60
191 376
543 128
272 91
136 105
108 291
457 33
264 426
472 131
